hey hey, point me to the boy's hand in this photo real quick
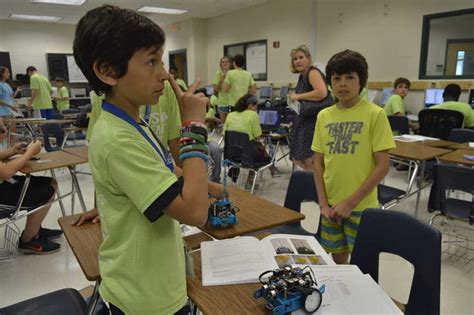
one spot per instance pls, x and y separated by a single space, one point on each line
342 210
34 148
326 212
88 216
192 106
19 148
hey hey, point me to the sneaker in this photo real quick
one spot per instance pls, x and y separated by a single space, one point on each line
49 234
38 246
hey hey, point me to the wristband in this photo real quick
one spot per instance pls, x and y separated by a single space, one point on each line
191 154
193 122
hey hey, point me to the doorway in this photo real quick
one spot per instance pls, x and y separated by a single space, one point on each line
178 61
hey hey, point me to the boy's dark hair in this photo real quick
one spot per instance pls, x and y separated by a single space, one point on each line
401 81
239 60
244 102
452 92
109 36
30 68
59 79
345 62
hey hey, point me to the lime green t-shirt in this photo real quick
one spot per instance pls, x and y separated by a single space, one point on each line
43 87
240 81
247 122
223 97
96 102
364 94
62 104
182 84
394 105
463 108
348 139
165 118
141 262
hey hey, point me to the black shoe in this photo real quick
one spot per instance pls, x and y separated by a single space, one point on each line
49 234
38 246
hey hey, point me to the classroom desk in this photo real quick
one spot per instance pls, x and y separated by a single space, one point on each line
462 146
458 157
255 214
416 153
438 143
49 162
82 151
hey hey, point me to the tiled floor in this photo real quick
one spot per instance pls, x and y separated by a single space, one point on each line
29 275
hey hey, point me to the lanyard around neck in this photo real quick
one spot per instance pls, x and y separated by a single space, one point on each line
163 153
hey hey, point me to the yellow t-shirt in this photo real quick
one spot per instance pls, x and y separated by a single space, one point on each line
394 105
240 81
348 139
62 104
463 108
96 102
222 96
247 122
43 88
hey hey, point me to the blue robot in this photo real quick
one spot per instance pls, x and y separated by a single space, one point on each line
222 211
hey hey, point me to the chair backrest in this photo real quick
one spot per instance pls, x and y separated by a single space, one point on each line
54 131
239 149
399 124
450 177
461 135
438 123
402 234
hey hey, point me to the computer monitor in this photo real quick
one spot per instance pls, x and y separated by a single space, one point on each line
433 97
209 90
266 92
471 98
386 93
269 117
284 92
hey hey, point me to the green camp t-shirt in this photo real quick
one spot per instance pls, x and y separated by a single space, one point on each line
43 88
463 108
240 81
165 118
247 122
394 105
96 102
223 97
63 104
141 262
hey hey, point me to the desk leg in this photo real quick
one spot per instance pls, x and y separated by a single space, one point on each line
420 185
94 299
72 170
58 193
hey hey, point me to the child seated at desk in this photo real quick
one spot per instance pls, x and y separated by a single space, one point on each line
140 199
41 190
451 95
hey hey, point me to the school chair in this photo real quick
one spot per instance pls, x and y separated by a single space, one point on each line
403 235
244 154
399 124
389 196
65 301
52 131
461 135
438 123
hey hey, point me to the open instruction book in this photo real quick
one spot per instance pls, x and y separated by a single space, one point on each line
243 259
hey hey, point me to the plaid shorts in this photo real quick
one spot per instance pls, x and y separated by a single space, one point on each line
339 237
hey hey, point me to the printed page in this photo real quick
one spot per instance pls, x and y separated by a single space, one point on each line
233 261
189 230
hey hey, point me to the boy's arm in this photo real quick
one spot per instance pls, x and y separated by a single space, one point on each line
216 190
8 170
318 164
344 209
173 144
34 94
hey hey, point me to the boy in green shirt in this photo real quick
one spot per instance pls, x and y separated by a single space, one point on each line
351 144
238 81
140 199
451 95
395 105
41 90
62 100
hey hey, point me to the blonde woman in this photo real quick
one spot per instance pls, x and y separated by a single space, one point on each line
218 83
312 94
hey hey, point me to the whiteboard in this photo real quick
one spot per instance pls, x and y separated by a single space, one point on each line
75 74
257 59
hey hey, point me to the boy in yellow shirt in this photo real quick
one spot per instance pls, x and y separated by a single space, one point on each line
62 99
351 144
395 105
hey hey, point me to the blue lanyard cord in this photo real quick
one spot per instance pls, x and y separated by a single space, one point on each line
163 153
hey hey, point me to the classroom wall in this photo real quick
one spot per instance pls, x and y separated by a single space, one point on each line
29 42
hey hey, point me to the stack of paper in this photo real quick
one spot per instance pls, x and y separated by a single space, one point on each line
413 138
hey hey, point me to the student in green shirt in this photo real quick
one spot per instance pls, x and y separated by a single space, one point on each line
451 95
238 81
62 100
180 82
140 198
222 97
41 90
395 105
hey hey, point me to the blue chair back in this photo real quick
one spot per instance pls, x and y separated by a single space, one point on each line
438 123
54 131
399 124
461 135
403 235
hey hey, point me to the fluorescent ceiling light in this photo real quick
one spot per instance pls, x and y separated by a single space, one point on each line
161 10
66 2
36 17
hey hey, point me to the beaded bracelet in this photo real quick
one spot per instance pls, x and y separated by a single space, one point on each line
198 137
191 154
195 129
191 122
